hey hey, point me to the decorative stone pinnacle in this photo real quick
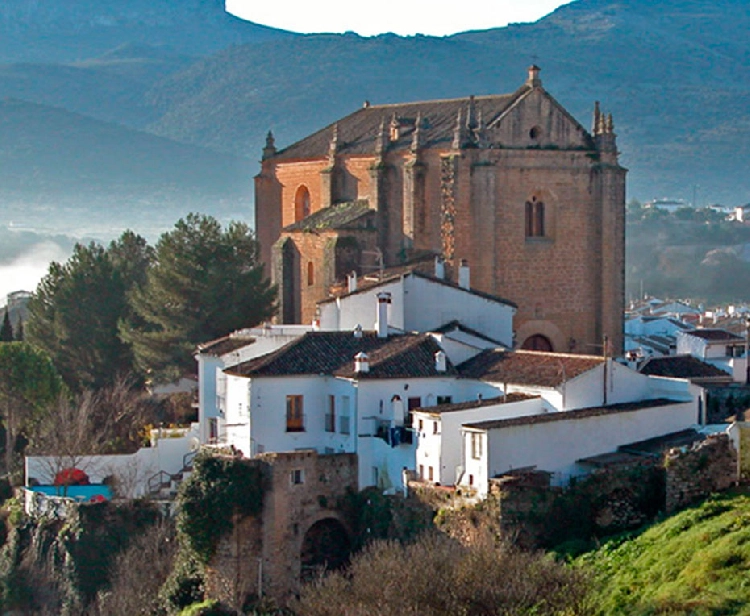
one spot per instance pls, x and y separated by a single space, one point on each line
270 147
597 116
610 124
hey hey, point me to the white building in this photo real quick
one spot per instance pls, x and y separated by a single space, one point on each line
555 442
718 347
461 443
423 303
342 392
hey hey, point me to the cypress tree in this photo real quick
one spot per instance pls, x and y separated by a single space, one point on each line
6 331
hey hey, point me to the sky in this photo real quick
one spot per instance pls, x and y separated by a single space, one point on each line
405 17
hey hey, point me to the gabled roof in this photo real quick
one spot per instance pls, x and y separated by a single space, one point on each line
359 131
332 353
338 216
224 345
439 409
612 409
393 274
682 367
714 335
456 325
533 368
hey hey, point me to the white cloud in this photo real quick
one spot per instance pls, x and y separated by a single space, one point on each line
435 17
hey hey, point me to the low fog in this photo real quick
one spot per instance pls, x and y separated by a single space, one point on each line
25 259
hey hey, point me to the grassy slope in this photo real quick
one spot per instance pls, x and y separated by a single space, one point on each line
695 562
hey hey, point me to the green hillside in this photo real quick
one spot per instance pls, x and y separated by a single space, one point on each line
696 562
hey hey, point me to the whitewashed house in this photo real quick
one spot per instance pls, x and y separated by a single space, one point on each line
439 457
555 442
342 392
215 356
718 347
458 443
423 303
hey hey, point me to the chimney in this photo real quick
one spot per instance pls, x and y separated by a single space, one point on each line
361 363
464 277
534 81
381 325
439 268
358 331
351 280
440 362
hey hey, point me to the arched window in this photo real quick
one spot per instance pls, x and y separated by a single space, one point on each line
310 274
301 203
534 218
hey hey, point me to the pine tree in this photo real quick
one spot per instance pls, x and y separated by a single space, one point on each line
75 311
205 282
6 331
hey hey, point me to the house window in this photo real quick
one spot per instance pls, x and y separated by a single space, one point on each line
534 218
421 471
295 420
444 399
430 473
476 445
297 477
434 427
421 425
471 480
375 475
331 415
310 274
344 421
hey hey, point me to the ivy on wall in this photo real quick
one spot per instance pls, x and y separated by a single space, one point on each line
219 489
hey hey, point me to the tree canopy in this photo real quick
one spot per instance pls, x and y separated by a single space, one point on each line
29 384
205 282
75 311
6 329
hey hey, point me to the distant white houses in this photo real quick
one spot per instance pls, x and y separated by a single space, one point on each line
718 347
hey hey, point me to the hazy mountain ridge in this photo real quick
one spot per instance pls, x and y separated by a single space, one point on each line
55 31
671 72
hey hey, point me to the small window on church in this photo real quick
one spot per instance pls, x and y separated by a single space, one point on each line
535 133
534 218
301 203
310 273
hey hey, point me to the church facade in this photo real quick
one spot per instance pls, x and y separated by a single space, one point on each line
511 185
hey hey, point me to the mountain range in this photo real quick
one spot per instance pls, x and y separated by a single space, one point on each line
209 85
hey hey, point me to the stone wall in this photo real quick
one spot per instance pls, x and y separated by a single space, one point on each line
262 555
692 474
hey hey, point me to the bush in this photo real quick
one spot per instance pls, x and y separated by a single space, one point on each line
437 576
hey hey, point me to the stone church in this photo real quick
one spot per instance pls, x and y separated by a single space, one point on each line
510 185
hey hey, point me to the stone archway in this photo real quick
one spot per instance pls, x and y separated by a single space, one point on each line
326 545
537 342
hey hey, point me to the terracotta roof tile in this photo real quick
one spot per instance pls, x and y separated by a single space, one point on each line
682 367
612 409
527 367
402 356
714 335
357 132
338 216
224 345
